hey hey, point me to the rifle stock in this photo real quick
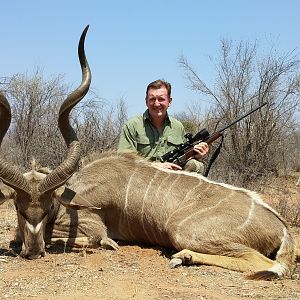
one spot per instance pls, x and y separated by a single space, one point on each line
212 138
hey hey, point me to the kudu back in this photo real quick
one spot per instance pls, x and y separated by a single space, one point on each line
124 197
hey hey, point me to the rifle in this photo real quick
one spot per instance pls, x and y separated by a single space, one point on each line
183 152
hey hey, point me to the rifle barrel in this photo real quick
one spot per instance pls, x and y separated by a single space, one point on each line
242 117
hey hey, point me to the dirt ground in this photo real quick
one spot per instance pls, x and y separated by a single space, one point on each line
133 272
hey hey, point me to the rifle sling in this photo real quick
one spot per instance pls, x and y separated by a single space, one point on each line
213 157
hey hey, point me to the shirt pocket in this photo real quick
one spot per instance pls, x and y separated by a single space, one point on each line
143 145
174 141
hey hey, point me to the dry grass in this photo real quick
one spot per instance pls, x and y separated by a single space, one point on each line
282 194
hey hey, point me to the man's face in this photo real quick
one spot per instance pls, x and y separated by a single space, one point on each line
158 102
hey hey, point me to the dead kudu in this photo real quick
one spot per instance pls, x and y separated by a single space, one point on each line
129 199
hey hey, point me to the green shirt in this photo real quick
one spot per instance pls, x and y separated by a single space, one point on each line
139 135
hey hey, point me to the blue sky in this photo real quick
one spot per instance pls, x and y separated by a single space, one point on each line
131 43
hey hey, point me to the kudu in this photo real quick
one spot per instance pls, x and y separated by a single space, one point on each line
127 198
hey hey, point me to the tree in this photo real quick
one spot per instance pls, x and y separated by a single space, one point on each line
192 118
34 131
255 146
99 124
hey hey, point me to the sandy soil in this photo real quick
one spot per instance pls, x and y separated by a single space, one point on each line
133 272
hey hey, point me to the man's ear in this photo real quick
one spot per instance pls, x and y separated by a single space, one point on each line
69 198
170 101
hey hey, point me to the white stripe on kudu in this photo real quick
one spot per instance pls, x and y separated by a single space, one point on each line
34 229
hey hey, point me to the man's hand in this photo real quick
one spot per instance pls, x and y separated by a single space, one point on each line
201 149
167 165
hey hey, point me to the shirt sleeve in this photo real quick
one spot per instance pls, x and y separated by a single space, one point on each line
127 142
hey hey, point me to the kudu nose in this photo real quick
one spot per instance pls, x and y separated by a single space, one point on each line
29 254
34 255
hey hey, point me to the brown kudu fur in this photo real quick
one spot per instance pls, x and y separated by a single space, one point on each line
217 223
128 198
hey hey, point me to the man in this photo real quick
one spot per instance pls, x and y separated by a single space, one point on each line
155 132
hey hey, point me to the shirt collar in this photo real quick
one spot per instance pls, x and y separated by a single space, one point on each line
146 116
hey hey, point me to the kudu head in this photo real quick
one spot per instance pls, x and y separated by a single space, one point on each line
35 193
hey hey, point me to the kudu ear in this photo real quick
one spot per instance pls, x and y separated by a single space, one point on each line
69 198
2 198
6 193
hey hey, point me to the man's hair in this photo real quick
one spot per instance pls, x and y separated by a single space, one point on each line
157 84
